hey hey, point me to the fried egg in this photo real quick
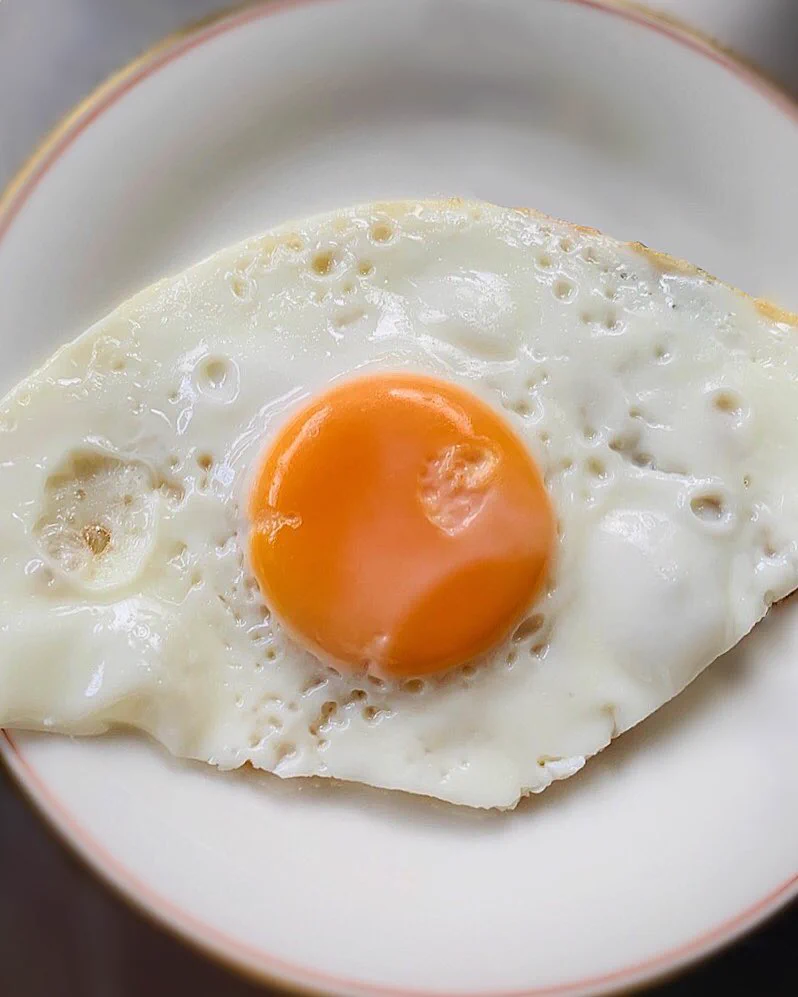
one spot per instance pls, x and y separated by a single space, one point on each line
434 496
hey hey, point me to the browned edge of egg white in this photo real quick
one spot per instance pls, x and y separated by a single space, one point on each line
666 263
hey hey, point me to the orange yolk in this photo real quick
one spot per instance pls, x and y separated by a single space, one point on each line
399 525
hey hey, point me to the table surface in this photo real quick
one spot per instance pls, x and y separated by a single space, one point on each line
62 933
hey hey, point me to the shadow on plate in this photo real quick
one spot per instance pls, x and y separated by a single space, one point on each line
725 678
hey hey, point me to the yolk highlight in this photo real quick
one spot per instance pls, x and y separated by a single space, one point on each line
399 525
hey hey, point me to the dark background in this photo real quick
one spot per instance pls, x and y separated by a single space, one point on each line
62 933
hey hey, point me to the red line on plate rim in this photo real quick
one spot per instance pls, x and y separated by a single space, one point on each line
212 940
283 971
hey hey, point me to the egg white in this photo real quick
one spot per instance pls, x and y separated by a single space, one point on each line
661 406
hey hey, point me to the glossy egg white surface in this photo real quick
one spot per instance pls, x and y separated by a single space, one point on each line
659 403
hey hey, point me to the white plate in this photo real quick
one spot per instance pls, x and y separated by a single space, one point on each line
683 833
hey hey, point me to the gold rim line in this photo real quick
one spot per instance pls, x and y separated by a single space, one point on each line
672 23
673 27
635 10
634 979
105 88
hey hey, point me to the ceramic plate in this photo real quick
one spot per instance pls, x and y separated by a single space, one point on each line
683 833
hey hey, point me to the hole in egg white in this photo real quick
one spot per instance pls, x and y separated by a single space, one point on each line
596 468
713 509
382 231
563 289
242 285
709 507
293 242
328 710
662 352
217 379
325 263
728 403
528 627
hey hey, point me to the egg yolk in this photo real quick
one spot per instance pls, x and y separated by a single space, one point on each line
399 525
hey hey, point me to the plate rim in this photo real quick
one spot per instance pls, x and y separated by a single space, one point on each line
248 960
